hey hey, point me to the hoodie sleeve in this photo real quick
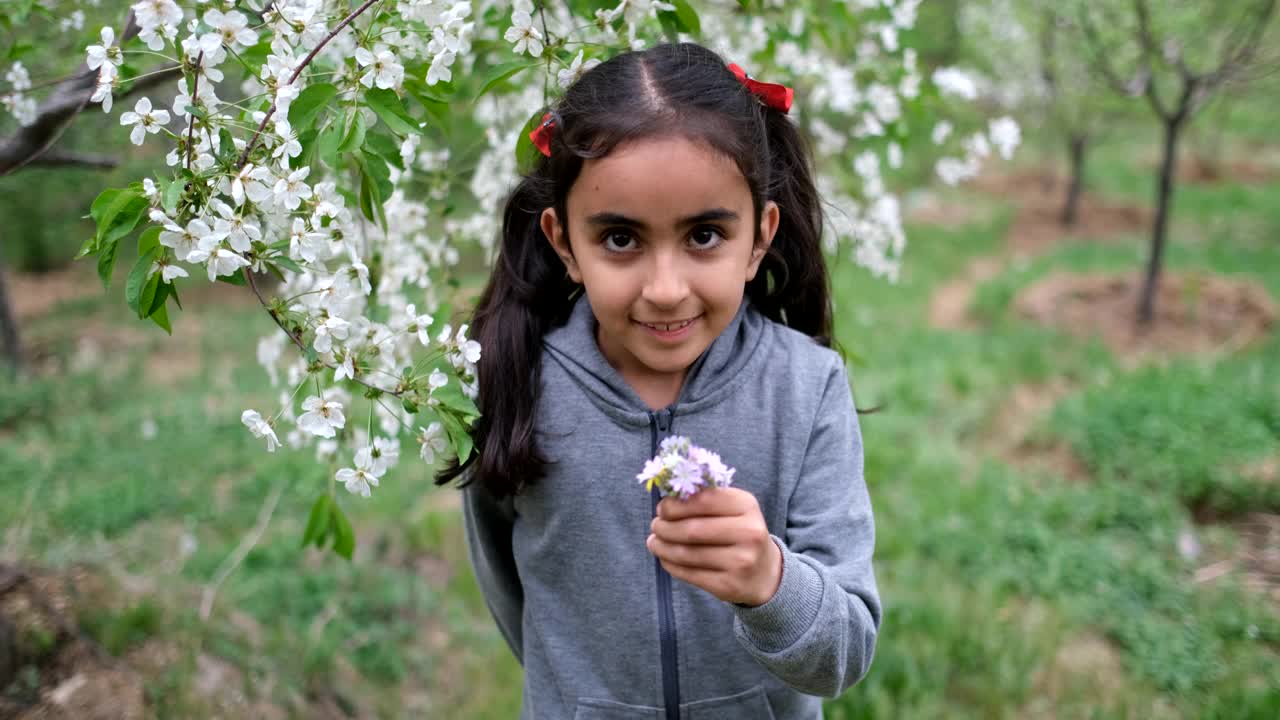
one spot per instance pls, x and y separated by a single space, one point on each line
818 632
488 524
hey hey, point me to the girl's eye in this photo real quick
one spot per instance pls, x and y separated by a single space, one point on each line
615 241
706 238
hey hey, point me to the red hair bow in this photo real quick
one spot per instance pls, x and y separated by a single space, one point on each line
541 135
774 95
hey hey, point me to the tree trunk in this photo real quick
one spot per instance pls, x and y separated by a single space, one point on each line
1164 199
8 330
1076 145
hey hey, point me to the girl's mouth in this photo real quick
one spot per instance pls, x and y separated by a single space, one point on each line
669 330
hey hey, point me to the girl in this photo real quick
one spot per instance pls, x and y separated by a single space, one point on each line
660 273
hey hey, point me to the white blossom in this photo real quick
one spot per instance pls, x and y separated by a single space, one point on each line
1005 135
384 71
260 428
326 331
107 52
386 454
575 70
232 28
292 190
433 442
953 81
144 120
524 34
321 418
364 475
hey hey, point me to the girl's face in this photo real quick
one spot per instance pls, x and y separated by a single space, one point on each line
661 235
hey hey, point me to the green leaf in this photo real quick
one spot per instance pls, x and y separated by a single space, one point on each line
380 173
146 298
436 105
235 278
670 25
20 49
385 148
309 103
503 72
687 18
344 538
137 279
89 246
161 294
308 142
117 211
452 397
370 202
390 108
161 317
107 263
318 524
286 263
459 436
172 195
526 152
149 238
354 136
328 142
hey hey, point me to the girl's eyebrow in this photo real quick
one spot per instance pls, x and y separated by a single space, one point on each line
711 215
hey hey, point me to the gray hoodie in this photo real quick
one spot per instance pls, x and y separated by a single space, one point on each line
602 630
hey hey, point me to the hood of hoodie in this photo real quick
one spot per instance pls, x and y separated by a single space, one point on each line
573 347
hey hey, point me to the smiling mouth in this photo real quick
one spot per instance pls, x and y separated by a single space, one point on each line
671 326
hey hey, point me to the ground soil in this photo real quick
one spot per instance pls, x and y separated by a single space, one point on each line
1237 172
1009 434
1193 313
1036 226
74 678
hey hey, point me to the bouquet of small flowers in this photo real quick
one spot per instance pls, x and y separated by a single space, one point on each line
682 468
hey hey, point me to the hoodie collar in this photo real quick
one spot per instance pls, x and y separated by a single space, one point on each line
715 372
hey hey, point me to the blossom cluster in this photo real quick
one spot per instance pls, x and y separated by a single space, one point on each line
683 469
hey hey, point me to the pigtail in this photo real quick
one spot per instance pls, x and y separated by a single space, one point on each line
792 286
528 293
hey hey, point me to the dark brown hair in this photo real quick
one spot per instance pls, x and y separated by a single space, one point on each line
672 89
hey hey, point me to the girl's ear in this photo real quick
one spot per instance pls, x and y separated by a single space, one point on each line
554 231
769 219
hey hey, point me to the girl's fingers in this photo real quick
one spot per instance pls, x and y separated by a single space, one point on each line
703 557
698 530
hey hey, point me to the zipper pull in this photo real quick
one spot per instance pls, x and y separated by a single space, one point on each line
664 420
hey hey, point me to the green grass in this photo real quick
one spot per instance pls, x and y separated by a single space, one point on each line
992 574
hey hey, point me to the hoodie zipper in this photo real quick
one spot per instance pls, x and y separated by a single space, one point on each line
661 422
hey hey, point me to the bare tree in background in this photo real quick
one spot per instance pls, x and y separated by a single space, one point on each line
1177 59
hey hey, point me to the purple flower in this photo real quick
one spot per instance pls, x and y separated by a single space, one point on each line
682 468
686 478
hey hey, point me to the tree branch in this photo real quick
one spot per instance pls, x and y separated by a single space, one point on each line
1236 59
70 158
1099 55
55 113
1150 51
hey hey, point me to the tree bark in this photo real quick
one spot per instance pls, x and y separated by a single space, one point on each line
1077 145
9 343
1164 200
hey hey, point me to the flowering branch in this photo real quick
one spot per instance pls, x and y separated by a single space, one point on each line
248 148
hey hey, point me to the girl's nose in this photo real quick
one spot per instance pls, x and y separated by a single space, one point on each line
665 285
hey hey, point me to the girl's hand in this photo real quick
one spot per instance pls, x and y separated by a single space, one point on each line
717 540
